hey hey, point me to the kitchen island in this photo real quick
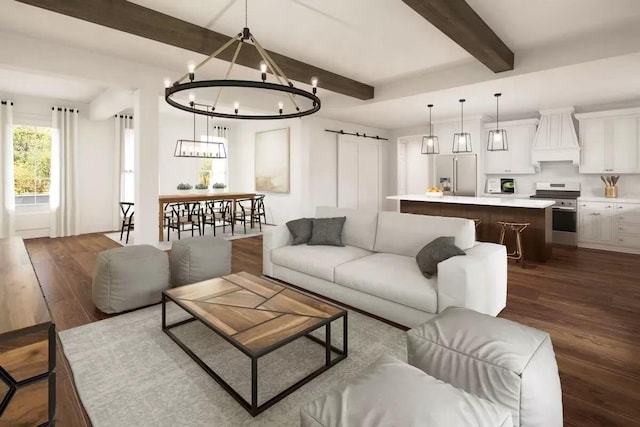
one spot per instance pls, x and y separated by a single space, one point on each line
536 239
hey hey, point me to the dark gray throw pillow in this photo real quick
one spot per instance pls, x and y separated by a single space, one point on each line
435 252
327 231
300 229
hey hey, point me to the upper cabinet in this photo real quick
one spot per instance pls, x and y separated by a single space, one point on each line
609 141
517 160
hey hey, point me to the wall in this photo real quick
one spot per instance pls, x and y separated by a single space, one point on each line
313 164
280 207
590 185
323 155
95 170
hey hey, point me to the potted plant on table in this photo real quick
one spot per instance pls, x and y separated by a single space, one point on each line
219 187
202 188
183 188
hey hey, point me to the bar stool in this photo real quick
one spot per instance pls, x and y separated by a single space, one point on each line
517 228
477 222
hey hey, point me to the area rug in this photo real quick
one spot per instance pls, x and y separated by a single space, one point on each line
165 246
129 373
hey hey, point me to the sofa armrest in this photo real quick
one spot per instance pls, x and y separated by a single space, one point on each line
477 281
273 238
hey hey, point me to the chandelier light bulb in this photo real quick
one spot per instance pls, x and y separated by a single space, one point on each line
236 107
263 67
280 107
314 82
167 82
192 97
192 67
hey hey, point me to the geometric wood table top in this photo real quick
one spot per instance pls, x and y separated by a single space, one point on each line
254 312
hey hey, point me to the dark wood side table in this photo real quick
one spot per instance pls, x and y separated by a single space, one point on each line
27 343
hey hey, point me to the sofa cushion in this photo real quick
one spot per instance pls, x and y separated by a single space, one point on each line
392 277
359 228
317 261
405 234
436 251
327 231
392 393
300 230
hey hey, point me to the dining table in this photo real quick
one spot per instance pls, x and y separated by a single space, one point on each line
165 199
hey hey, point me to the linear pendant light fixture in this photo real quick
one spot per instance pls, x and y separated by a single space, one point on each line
430 144
497 137
462 139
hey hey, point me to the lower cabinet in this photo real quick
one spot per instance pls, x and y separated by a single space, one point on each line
609 226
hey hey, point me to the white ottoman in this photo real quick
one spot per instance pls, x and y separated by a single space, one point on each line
497 359
199 258
392 393
129 277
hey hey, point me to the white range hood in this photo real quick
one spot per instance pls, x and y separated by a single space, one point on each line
556 139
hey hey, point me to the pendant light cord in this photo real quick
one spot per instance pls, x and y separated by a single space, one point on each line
430 124
462 116
246 14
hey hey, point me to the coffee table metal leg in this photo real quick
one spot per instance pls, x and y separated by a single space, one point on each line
254 386
345 349
327 344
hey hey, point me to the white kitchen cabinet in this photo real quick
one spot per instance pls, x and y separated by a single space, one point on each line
609 141
516 160
595 226
609 226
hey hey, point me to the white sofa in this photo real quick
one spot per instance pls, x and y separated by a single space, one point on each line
377 272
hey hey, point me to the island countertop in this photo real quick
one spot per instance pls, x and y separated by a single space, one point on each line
481 201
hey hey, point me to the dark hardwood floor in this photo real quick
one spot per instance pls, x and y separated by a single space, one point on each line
588 301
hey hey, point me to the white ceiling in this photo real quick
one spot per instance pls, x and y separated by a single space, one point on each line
608 81
380 42
46 86
367 40
524 24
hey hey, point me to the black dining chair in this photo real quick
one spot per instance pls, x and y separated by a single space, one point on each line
217 213
260 212
126 208
184 217
244 212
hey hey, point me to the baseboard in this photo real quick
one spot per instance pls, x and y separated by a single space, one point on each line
609 248
347 306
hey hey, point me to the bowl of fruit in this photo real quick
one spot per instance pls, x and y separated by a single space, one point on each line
434 192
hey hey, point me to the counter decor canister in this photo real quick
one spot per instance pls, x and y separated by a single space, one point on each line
610 189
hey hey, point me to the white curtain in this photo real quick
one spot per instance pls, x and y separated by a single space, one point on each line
7 199
123 166
63 193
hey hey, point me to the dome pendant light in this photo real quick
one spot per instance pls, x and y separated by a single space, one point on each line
462 139
430 144
497 137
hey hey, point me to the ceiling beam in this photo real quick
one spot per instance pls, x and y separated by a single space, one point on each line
144 22
457 20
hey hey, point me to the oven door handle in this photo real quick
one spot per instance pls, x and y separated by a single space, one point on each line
563 208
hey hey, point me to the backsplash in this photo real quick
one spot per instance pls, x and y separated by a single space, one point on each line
591 185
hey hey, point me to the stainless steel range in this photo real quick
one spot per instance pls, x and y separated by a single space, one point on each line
565 209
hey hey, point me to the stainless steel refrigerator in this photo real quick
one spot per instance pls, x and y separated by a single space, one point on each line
457 174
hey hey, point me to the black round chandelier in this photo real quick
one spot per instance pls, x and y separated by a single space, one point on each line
288 101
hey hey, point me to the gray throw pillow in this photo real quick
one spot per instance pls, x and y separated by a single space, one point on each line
300 229
435 252
327 231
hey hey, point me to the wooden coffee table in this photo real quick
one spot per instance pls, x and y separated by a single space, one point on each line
257 316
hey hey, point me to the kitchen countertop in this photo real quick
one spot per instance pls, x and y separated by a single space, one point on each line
482 201
609 199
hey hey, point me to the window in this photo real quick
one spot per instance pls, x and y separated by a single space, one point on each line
213 170
127 177
31 164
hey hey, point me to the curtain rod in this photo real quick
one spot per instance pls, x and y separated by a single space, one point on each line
361 135
124 117
6 102
73 110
